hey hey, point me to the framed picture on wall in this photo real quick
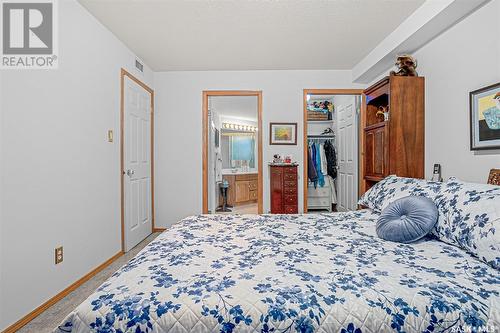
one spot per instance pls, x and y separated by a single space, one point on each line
485 118
283 133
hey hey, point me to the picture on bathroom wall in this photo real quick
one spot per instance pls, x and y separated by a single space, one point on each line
485 118
283 134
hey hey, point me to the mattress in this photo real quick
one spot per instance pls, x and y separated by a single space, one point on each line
292 273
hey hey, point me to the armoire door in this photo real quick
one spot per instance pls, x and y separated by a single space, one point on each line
376 152
276 190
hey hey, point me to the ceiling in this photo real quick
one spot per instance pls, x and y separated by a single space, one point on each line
173 35
235 107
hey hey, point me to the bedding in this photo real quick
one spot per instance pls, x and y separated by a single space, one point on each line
392 188
469 217
292 273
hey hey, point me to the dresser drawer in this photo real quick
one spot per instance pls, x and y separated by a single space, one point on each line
290 199
291 209
290 184
290 176
290 190
318 191
319 202
290 170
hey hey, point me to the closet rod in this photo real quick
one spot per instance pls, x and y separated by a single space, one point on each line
321 136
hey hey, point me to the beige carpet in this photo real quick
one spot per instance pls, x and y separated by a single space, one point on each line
54 315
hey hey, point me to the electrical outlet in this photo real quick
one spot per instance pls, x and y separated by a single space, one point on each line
59 255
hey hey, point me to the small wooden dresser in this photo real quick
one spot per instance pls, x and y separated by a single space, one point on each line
284 189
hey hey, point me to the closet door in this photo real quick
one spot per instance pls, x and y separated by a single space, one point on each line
347 144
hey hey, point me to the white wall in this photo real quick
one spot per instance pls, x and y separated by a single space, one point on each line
461 60
60 175
178 122
1 199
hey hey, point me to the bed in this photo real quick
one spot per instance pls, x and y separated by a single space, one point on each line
292 273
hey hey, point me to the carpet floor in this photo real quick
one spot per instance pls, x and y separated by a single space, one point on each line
53 316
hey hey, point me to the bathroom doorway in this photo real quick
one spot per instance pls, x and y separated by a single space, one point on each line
232 152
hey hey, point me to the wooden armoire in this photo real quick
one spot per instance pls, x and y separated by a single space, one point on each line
393 145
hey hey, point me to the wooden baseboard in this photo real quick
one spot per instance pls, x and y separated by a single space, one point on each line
35 313
159 229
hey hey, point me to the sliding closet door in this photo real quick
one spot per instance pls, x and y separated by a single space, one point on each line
137 163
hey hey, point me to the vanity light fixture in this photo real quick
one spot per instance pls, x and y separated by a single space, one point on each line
246 128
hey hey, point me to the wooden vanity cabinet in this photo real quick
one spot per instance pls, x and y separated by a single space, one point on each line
242 189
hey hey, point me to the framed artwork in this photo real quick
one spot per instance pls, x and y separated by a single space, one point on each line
283 133
485 118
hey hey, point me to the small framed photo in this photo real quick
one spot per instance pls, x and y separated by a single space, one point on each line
485 118
283 133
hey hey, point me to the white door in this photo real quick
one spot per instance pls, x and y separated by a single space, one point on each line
137 163
347 153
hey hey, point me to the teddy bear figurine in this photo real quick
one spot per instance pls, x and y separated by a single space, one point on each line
406 65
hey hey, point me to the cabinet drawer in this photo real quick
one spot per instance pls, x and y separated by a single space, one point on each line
253 185
291 209
290 176
290 170
318 191
253 195
290 184
290 199
290 190
319 202
247 177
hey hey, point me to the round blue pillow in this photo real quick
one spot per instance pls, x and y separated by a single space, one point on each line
407 219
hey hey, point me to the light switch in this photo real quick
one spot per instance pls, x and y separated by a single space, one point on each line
110 136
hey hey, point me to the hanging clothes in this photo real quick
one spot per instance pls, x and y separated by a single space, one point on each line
218 167
321 178
331 158
333 191
311 170
322 155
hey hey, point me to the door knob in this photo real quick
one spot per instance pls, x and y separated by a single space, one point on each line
130 172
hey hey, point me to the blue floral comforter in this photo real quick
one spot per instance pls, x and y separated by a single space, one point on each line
292 273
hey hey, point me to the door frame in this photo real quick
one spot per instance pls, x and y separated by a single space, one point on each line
124 73
358 92
205 141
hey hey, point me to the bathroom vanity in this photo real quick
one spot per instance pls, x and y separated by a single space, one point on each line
243 188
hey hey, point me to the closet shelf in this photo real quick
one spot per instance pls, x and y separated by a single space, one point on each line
320 121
